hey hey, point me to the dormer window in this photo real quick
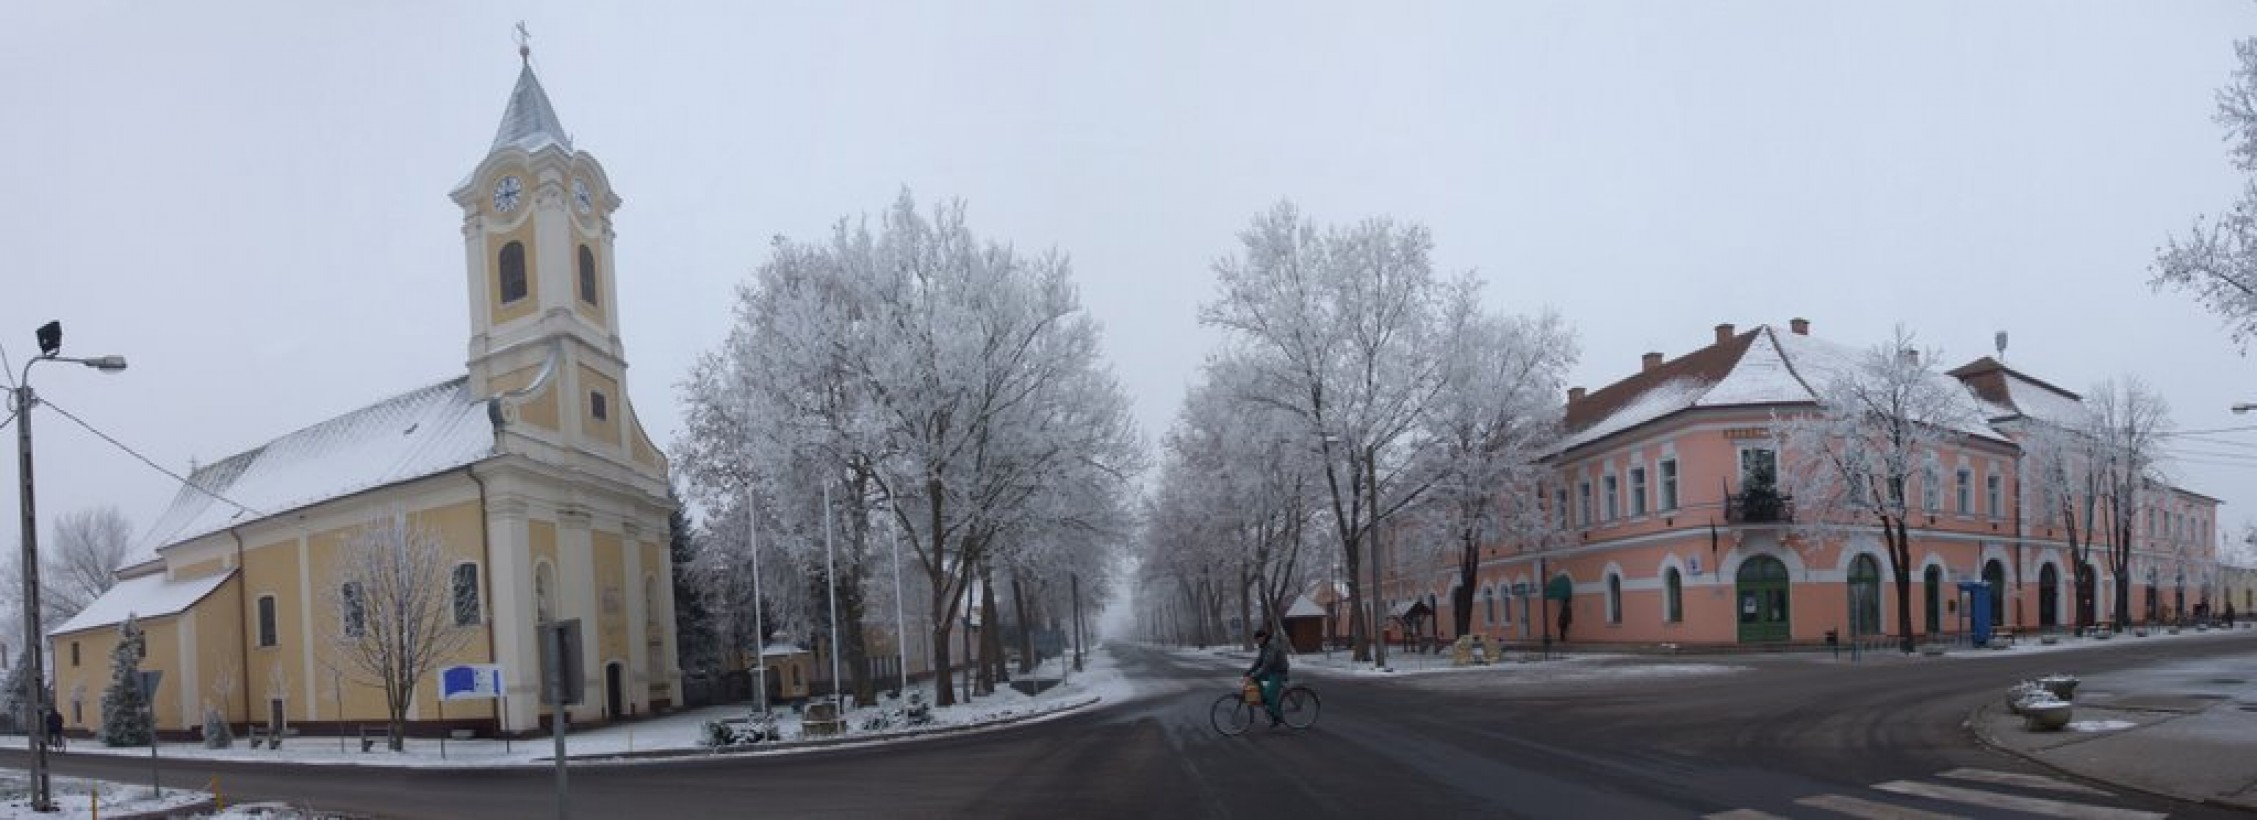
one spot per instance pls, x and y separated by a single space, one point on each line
588 276
512 269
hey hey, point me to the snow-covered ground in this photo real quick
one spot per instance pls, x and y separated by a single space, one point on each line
673 733
77 798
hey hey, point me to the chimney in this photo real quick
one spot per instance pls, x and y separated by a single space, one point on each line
1574 394
1723 333
1801 327
1649 362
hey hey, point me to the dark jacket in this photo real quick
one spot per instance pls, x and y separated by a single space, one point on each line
1270 660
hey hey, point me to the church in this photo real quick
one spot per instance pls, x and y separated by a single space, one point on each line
531 468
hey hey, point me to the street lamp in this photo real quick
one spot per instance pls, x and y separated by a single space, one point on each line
2244 407
50 347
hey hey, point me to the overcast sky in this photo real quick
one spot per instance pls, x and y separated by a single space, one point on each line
250 200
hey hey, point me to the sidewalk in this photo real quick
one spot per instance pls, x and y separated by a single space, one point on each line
2184 730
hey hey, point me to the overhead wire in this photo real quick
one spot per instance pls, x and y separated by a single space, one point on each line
152 464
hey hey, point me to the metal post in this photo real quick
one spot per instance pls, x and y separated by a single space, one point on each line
760 640
42 798
557 714
900 628
1077 621
831 579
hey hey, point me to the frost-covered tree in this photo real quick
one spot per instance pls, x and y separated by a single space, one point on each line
394 599
15 694
126 720
697 639
2129 421
922 376
1849 462
1339 327
2217 259
2061 485
1495 413
78 561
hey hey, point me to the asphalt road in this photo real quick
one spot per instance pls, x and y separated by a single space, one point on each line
1788 736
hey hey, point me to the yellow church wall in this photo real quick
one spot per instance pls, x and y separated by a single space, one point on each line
80 678
611 595
199 569
219 653
605 429
274 569
539 411
643 452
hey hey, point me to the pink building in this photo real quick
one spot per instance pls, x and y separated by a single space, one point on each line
1661 542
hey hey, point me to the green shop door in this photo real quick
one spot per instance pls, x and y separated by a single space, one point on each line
1763 600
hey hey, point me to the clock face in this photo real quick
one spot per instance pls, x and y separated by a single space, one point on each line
506 193
580 195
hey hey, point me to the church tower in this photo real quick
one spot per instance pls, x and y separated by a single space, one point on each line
537 239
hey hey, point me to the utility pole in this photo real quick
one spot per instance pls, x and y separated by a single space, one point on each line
42 797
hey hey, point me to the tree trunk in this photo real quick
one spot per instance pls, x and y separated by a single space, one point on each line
1461 599
1900 554
991 635
1027 657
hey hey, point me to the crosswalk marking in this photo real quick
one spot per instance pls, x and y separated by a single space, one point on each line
2027 781
1742 814
2032 805
1857 807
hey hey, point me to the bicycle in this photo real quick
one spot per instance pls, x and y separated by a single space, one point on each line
1231 713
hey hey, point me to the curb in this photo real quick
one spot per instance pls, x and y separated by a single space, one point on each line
1976 720
781 747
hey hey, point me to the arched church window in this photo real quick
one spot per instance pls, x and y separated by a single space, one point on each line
588 276
513 272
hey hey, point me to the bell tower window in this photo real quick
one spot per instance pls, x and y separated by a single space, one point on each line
513 272
588 276
597 406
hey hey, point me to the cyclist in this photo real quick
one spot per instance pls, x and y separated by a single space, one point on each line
1270 666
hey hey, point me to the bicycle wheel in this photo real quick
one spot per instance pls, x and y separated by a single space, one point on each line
1230 714
1300 705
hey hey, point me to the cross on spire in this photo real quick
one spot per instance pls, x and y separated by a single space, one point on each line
524 42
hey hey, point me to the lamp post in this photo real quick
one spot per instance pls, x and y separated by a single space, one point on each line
50 346
831 585
760 630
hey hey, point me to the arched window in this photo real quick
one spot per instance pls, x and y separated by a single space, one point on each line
1994 576
513 272
1614 598
1864 596
355 615
1673 596
588 276
544 593
466 594
1932 580
1489 605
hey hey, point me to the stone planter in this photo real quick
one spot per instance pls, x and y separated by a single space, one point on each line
2173 630
2062 687
1932 650
2049 640
2021 693
2140 632
2045 715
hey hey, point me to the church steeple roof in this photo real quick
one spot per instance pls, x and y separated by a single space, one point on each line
530 122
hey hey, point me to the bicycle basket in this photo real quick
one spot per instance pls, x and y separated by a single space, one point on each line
1253 692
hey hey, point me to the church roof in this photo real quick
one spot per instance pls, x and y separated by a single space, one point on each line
147 596
530 122
410 436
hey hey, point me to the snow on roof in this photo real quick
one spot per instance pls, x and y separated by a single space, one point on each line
146 596
1661 400
2049 406
410 436
530 122
1775 368
1303 608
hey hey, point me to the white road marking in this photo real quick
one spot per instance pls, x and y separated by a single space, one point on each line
1742 814
2027 781
2032 805
1870 810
